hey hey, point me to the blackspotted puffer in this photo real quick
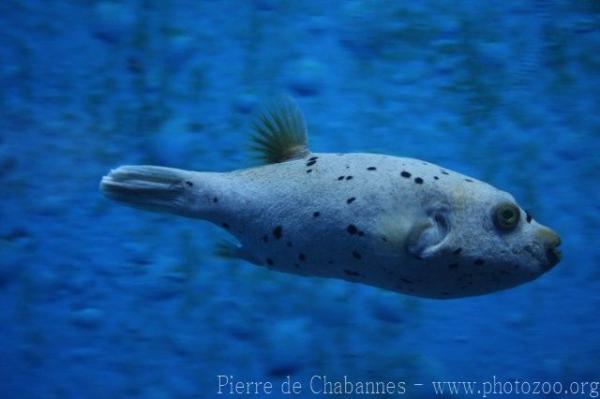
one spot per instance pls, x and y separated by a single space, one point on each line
400 224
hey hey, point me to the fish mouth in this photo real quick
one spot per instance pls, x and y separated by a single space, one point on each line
550 241
553 256
553 253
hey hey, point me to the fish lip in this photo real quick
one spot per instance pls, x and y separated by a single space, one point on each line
553 256
549 252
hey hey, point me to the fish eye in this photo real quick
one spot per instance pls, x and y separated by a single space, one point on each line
506 216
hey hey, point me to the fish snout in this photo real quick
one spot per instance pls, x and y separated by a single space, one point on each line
550 242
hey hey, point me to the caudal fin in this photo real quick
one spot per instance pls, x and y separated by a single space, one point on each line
154 188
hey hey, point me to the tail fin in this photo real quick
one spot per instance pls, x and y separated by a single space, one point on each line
154 188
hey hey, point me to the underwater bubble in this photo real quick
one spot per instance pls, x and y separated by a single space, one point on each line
8 273
317 24
16 232
88 318
265 5
179 50
245 103
169 286
287 359
82 355
8 162
363 30
172 145
384 309
113 21
306 77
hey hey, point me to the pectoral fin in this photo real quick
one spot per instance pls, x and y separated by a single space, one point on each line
229 250
420 234
427 236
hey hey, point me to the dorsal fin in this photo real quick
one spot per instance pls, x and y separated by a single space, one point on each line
280 133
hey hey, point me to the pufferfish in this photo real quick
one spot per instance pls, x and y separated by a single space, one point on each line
400 224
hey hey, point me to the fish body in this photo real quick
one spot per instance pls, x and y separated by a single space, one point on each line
400 224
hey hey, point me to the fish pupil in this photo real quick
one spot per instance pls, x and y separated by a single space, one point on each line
508 215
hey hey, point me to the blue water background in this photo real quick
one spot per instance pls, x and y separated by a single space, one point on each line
98 300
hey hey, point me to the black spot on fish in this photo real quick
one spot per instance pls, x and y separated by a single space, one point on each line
371 168
444 172
316 214
289 244
350 200
436 178
277 232
418 180
457 251
351 229
349 177
453 266
311 163
189 183
384 238
270 261
469 180
479 262
405 174
356 254
302 257
309 170
528 217
341 177
215 200
225 225
313 158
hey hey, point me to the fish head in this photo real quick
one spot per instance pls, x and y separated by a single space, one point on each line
483 240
